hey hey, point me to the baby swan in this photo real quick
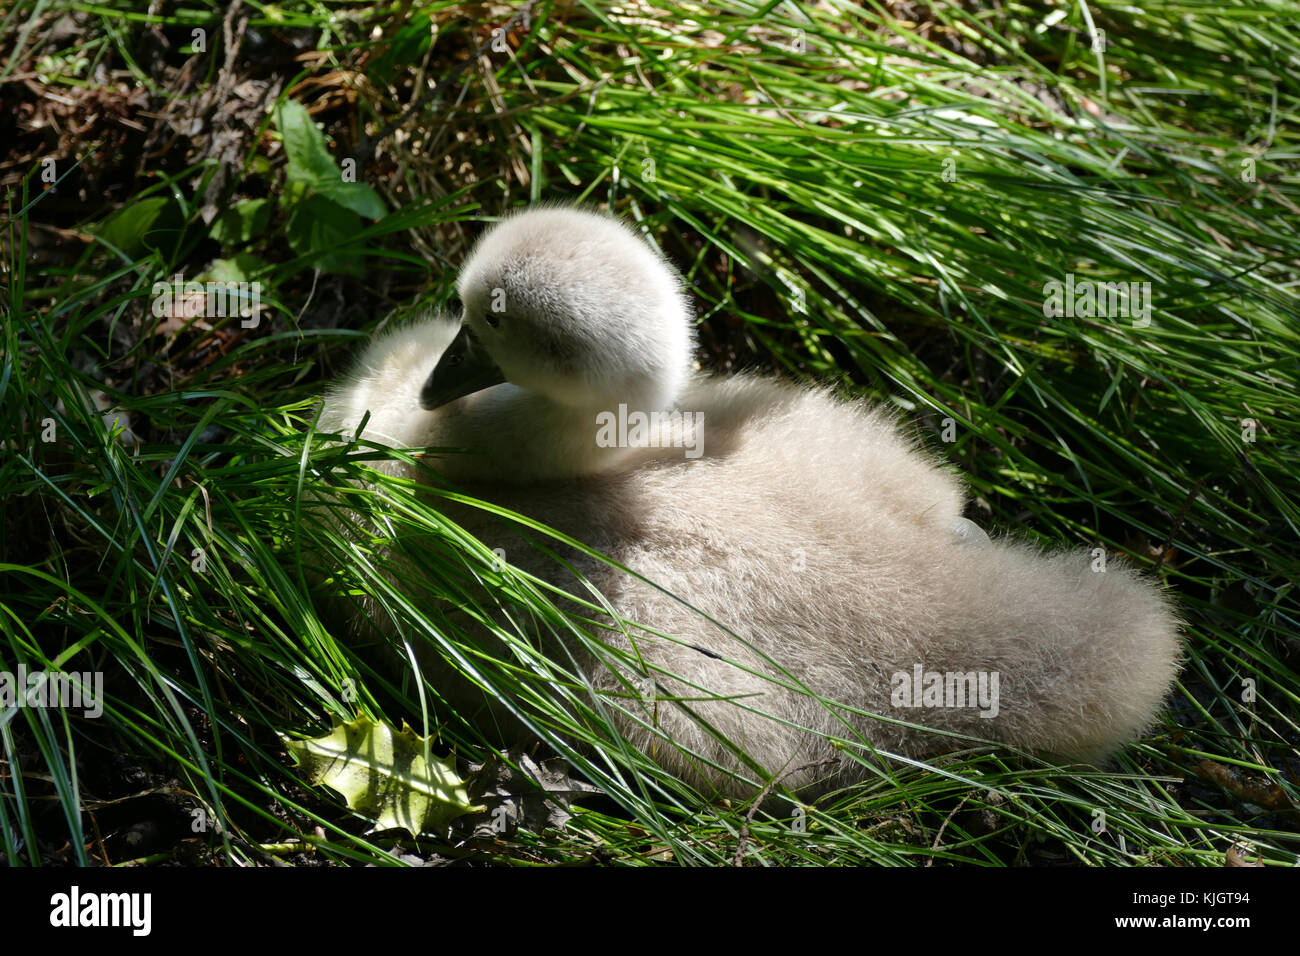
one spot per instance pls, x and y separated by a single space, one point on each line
805 602
573 318
818 576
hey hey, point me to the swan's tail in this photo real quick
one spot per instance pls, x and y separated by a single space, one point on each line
1084 649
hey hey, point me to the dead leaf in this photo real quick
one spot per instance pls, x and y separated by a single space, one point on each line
523 792
1260 791
1237 856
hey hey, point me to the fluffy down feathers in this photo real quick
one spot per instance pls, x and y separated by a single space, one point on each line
821 543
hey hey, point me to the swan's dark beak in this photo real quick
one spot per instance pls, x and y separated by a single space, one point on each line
464 368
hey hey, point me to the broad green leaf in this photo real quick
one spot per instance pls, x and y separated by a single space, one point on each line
311 164
241 222
241 268
316 224
128 227
384 776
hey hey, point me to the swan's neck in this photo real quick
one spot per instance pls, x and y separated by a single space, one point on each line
516 434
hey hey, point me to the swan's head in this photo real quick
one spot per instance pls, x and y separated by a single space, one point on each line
573 305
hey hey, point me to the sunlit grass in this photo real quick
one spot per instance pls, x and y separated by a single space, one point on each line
851 200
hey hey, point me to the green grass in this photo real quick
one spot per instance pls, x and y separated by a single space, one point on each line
851 199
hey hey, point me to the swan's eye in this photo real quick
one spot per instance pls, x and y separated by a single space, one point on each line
492 319
453 360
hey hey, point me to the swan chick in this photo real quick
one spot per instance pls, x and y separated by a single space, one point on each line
835 552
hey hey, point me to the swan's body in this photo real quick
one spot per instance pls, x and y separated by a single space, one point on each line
833 550
828 551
